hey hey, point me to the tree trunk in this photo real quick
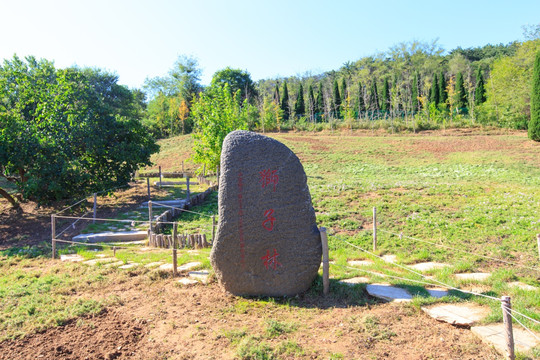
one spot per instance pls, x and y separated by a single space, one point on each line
9 198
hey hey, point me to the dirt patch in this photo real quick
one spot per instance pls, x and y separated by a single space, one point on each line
110 335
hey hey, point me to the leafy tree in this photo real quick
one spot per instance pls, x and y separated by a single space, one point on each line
336 99
414 93
361 103
434 93
442 89
285 102
319 101
461 93
479 91
534 123
385 99
299 106
65 133
311 102
237 80
216 113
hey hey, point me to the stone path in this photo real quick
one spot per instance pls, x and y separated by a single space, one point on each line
360 262
201 276
112 236
457 314
427 266
388 292
495 335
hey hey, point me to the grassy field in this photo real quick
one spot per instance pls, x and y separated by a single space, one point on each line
464 199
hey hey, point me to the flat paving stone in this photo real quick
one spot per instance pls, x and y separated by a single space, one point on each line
427 266
99 260
355 280
457 314
360 262
437 292
201 275
495 335
187 282
101 256
71 258
388 292
523 286
153 264
473 276
114 264
189 266
128 266
166 267
389 258
112 236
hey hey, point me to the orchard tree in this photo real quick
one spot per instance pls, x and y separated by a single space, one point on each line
534 123
68 132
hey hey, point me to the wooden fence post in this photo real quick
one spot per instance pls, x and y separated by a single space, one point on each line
114 251
95 207
160 176
374 228
174 262
507 319
325 261
53 234
149 218
174 234
187 189
148 187
213 228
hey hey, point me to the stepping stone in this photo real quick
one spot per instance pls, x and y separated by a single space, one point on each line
201 276
389 258
189 266
99 260
166 267
355 280
473 276
360 262
114 264
112 236
128 266
101 256
437 292
187 282
523 286
426 266
153 264
71 258
495 335
388 292
457 314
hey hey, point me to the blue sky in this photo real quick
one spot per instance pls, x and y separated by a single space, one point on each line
138 39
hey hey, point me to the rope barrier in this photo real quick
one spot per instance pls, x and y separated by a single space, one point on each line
520 323
72 224
525 316
69 207
172 207
87 244
421 275
464 251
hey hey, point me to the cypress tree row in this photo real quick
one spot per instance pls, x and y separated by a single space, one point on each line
374 97
319 101
385 101
461 94
311 101
299 106
479 91
414 93
534 124
336 101
361 103
276 94
443 95
285 101
434 93
343 91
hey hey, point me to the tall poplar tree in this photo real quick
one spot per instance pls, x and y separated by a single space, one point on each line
285 101
385 99
361 103
336 99
414 94
461 94
534 123
300 106
311 101
343 91
479 91
434 93
442 89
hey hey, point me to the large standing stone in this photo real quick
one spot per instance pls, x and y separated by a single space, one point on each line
267 241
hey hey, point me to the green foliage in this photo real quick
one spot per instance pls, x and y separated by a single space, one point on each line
216 113
414 93
299 105
434 93
443 95
374 97
361 102
461 93
385 98
68 132
336 99
285 102
311 102
238 80
344 92
534 124
479 91
319 108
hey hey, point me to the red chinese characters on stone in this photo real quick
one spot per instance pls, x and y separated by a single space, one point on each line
270 261
268 224
269 177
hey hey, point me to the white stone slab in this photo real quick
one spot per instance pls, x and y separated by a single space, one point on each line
128 266
101 256
114 264
523 286
457 314
427 266
201 275
189 266
187 282
473 276
360 262
437 292
99 260
355 280
160 203
153 264
389 258
71 258
166 267
111 236
388 292
495 334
